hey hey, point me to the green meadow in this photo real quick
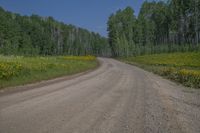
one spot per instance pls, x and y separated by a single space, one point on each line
19 70
181 67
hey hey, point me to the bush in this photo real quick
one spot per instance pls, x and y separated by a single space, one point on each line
8 69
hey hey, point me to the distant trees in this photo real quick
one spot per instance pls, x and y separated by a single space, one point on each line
160 27
121 31
35 35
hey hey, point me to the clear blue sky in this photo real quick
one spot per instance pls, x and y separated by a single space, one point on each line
89 14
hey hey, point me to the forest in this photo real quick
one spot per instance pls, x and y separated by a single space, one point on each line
35 35
160 27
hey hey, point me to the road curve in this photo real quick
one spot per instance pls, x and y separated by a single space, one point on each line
116 98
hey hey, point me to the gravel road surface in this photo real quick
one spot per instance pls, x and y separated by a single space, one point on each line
115 98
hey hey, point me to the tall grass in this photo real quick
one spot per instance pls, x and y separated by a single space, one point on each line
181 67
18 70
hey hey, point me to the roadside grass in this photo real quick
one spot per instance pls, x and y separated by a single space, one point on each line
18 70
181 67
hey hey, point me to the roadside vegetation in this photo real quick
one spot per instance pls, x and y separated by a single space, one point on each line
19 70
164 38
181 67
160 27
36 35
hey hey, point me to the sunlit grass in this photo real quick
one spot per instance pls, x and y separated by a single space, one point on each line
86 58
18 70
181 67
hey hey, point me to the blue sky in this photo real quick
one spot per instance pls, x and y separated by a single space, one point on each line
89 14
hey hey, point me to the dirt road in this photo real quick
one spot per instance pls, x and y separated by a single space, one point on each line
115 98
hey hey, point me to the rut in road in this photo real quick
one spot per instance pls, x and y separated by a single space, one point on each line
115 98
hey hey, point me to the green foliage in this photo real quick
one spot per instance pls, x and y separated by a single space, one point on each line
8 69
181 67
86 58
17 70
174 59
121 31
172 26
35 35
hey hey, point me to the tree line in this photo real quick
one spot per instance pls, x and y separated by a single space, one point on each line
159 27
35 35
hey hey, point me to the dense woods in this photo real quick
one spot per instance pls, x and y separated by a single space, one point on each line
160 27
35 35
